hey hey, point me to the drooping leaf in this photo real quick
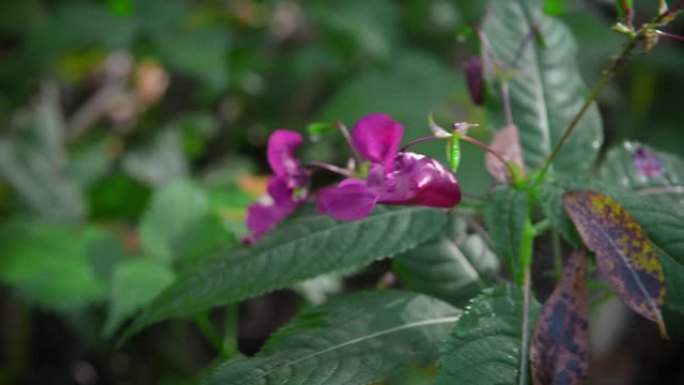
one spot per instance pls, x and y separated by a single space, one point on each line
486 344
302 248
134 284
506 214
546 89
662 223
640 168
354 339
559 351
506 143
625 256
454 267
179 223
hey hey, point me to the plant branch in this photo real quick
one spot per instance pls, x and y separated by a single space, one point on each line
617 62
490 150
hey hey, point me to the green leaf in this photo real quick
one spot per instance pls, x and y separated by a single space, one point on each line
486 344
625 256
33 162
454 267
159 162
559 352
302 248
355 339
180 224
48 264
506 214
134 284
201 53
640 168
546 89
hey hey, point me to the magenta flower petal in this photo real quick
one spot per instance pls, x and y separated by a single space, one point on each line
262 217
281 147
419 180
348 201
474 79
376 137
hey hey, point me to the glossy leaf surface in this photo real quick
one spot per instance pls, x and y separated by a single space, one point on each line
454 267
355 339
625 256
485 346
559 352
546 89
305 247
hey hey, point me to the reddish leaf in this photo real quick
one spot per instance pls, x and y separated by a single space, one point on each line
559 352
506 143
625 256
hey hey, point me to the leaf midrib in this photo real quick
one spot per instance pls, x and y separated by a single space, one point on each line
429 322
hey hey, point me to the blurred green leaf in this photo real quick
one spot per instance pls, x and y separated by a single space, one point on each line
118 196
33 161
354 339
546 89
180 223
301 248
48 264
372 27
486 344
161 161
642 169
201 53
134 284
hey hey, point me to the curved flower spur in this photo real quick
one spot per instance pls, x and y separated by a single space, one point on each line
385 175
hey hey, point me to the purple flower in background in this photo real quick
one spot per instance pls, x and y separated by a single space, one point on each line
647 162
289 176
474 79
397 178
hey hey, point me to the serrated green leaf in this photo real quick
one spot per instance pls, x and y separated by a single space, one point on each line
354 339
546 89
134 284
454 267
559 351
625 256
302 248
506 214
661 175
179 223
486 344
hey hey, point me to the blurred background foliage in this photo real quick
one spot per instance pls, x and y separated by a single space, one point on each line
132 138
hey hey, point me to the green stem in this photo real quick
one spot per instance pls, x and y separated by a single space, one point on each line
541 227
230 333
515 175
617 62
526 250
208 331
557 253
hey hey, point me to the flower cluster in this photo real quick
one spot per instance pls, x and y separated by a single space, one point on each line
386 175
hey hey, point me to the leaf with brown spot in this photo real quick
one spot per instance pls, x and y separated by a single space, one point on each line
624 254
507 144
559 351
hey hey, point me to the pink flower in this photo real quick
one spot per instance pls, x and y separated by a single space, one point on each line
397 178
289 176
